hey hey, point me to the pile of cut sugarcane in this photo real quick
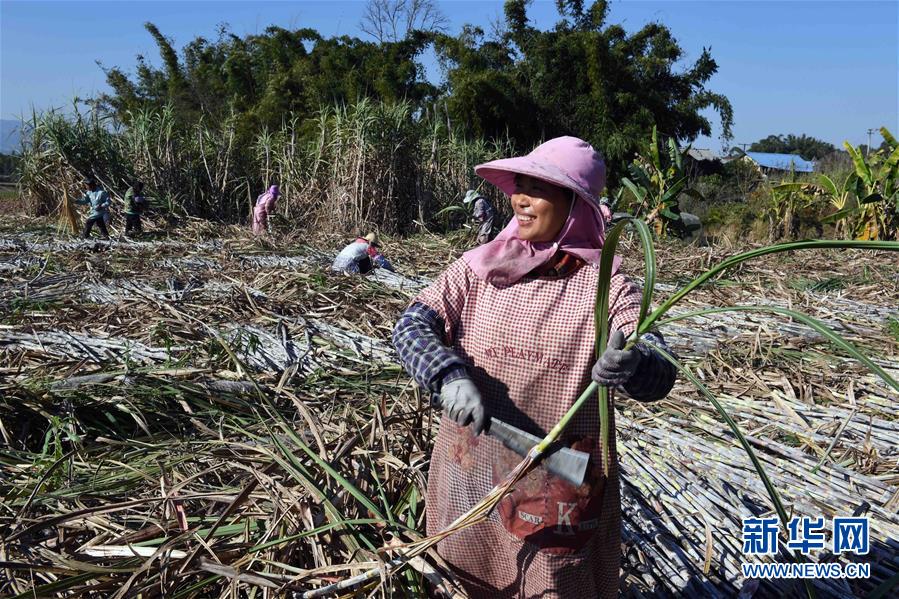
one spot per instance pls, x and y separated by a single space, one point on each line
193 416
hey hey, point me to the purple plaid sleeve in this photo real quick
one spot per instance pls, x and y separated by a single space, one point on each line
418 339
655 375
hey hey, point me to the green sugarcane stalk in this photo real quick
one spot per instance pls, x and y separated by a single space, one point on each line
601 324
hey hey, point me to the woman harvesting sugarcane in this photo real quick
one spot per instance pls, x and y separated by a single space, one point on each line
508 331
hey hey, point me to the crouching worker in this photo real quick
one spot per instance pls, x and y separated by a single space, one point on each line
135 204
265 207
361 256
98 200
507 331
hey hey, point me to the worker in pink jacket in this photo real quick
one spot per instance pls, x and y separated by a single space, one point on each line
265 205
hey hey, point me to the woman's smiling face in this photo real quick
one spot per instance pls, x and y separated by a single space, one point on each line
541 208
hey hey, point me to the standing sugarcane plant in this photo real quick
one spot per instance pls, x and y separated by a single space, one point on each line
646 322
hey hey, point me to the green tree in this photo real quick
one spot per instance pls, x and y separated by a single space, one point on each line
263 79
583 77
483 93
806 146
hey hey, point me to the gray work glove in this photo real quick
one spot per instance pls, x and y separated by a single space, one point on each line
615 366
462 402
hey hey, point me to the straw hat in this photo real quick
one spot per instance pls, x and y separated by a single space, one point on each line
470 196
373 239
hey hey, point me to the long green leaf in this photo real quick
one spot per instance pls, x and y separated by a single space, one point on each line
675 156
638 173
861 167
893 159
756 463
292 465
639 192
888 137
288 429
189 591
601 325
313 532
673 191
298 472
333 473
654 149
840 214
649 266
849 183
813 323
828 185
55 587
733 261
871 198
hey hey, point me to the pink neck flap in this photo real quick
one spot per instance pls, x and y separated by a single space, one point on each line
506 259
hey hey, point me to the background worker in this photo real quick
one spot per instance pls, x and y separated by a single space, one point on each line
361 256
135 204
482 214
98 200
265 207
508 331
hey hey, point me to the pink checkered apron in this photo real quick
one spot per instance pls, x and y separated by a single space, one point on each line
530 348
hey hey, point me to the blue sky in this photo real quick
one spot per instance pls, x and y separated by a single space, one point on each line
827 69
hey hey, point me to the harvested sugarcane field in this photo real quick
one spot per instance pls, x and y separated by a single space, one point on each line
206 414
453 300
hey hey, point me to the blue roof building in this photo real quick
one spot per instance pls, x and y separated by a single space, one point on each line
782 162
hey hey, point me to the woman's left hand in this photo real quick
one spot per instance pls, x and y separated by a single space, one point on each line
616 366
461 401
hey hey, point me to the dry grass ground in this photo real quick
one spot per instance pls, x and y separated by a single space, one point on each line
206 415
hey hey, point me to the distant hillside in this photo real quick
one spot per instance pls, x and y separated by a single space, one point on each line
10 136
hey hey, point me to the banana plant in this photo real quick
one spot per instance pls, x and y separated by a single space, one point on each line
783 210
877 190
841 197
657 181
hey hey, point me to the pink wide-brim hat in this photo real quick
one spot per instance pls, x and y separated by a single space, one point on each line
568 162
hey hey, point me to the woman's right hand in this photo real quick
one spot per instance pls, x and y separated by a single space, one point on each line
461 401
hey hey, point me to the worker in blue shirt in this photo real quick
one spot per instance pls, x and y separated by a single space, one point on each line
98 200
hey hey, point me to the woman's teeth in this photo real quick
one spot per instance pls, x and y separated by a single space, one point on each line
523 218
